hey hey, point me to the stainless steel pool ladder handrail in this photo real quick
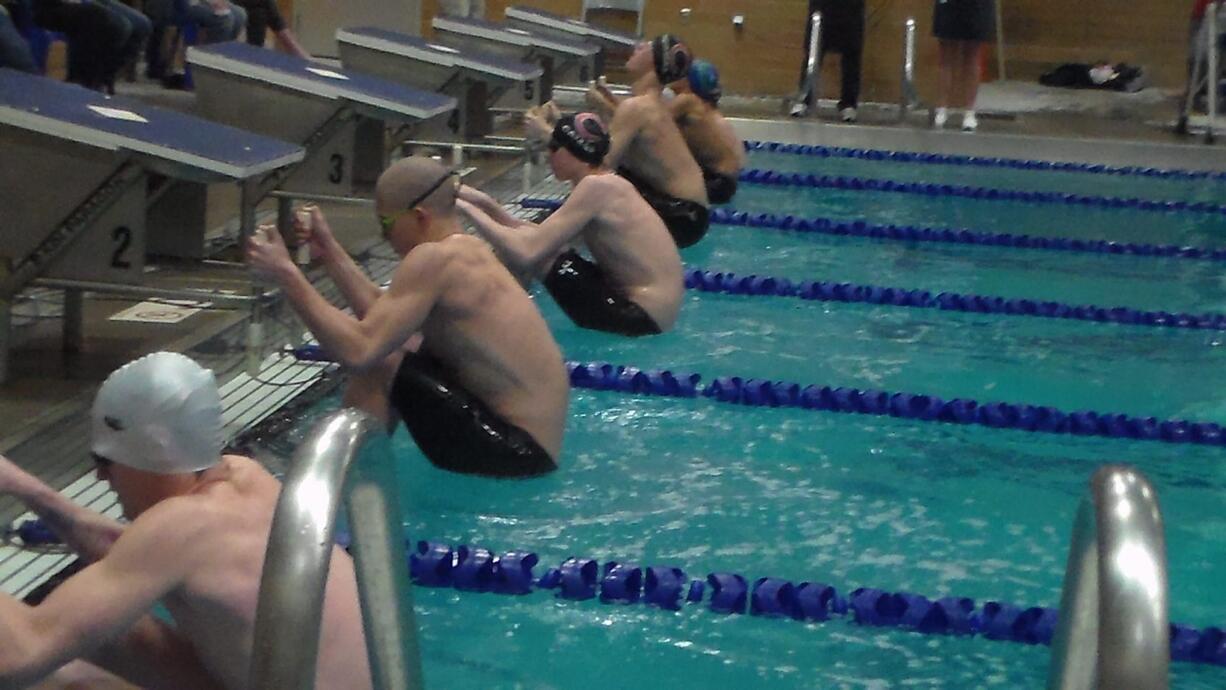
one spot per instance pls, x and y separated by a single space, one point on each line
1114 630
811 92
348 458
908 98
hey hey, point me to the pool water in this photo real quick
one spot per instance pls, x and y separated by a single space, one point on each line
848 500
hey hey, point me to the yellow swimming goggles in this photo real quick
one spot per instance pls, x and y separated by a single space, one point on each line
387 222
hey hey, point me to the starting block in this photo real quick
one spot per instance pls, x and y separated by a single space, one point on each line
340 117
478 81
565 60
77 176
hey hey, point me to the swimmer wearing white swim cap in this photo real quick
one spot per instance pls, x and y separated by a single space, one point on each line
161 414
195 544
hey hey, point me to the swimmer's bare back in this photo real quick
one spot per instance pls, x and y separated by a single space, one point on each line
710 136
657 152
630 243
230 519
488 332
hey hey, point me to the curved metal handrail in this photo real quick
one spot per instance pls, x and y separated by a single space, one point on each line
811 93
1114 630
908 93
348 458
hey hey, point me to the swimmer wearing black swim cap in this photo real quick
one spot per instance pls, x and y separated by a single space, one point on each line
671 57
584 135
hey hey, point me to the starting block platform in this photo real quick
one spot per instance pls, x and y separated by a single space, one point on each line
478 81
611 43
565 60
76 181
339 116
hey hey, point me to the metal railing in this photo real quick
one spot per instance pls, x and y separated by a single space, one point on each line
908 94
346 458
811 92
1114 630
1211 73
1203 73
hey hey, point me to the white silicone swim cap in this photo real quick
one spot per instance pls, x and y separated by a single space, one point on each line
161 414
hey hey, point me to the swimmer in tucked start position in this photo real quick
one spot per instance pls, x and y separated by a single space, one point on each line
719 151
483 390
647 148
196 544
635 286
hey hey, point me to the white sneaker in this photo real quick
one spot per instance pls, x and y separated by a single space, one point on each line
970 123
799 109
939 116
848 114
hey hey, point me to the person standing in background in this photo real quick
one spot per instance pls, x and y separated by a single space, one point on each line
961 28
263 15
843 33
14 51
474 9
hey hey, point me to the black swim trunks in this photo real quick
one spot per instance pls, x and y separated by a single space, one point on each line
687 221
580 288
458 432
720 187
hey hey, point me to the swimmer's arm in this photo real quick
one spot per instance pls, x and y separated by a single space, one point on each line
391 320
602 100
490 206
358 289
98 604
683 107
527 245
86 532
154 656
626 125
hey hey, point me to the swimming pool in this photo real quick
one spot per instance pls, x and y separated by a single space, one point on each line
848 500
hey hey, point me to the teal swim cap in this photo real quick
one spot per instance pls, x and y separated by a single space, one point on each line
704 81
161 414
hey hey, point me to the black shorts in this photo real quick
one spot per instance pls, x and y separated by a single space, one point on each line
262 15
687 221
458 432
720 187
963 20
580 288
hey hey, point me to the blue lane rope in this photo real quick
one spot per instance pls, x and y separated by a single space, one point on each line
775 178
476 569
981 161
753 392
921 233
766 286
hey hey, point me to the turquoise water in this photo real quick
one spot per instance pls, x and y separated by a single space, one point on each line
844 499
1070 277
1040 220
1002 178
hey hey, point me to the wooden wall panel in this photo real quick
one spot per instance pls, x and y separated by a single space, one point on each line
764 57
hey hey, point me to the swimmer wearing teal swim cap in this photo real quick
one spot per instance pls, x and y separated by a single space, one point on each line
196 543
711 139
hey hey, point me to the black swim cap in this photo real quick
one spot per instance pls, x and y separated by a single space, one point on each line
672 58
584 135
